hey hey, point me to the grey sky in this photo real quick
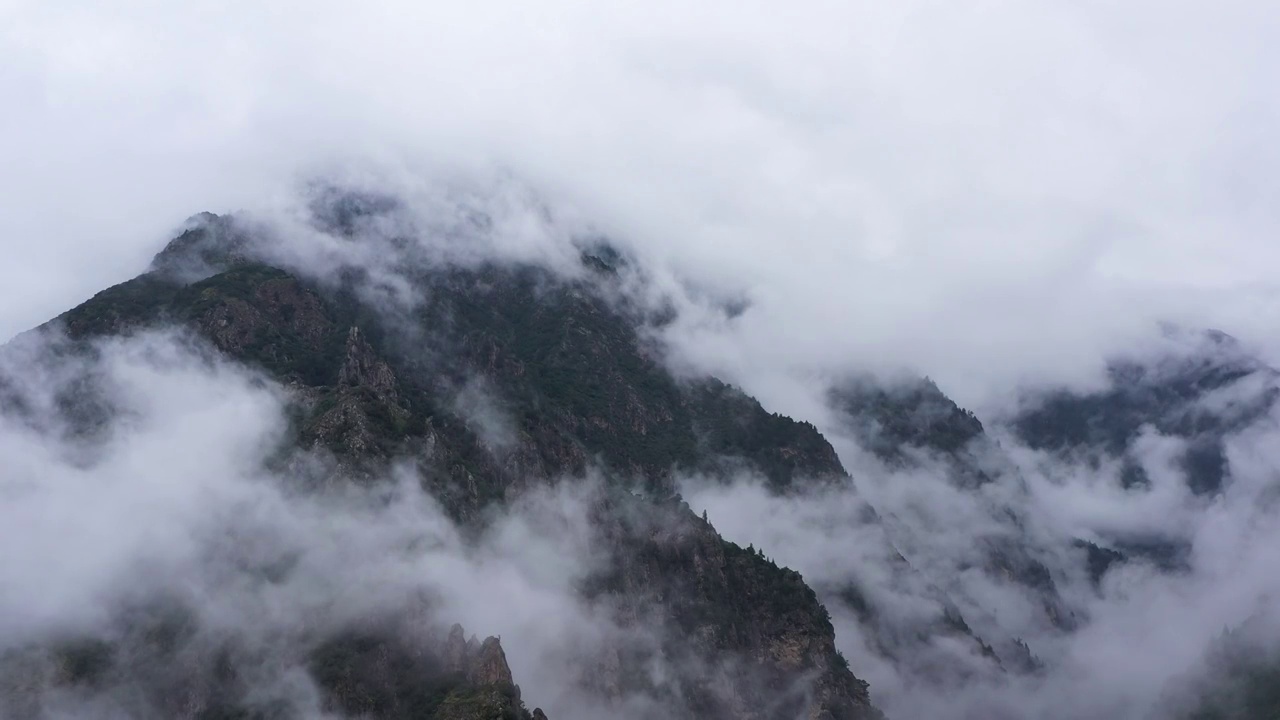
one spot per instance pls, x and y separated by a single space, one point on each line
988 191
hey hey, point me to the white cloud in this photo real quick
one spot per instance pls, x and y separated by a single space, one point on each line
988 192
1142 636
176 503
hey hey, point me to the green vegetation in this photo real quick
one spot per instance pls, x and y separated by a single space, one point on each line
121 308
490 702
267 318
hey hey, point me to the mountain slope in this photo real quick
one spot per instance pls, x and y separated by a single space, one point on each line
922 437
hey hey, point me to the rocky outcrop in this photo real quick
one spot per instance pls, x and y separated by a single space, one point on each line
208 244
362 368
488 666
385 674
362 415
481 662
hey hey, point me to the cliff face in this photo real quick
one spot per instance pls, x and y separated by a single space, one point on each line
496 379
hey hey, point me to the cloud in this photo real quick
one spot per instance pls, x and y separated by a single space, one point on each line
1141 639
175 504
1014 187
154 490
993 194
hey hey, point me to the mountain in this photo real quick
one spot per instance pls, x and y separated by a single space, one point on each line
492 379
894 419
913 428
1200 389
1197 389
421 429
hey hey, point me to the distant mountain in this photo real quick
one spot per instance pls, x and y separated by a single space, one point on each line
1200 389
893 419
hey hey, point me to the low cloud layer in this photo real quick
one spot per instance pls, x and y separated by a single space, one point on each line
170 501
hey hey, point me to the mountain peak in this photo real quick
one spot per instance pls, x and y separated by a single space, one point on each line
207 245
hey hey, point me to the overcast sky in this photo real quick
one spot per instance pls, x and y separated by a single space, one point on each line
986 191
